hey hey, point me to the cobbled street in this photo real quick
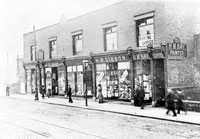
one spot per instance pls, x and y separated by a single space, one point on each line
22 119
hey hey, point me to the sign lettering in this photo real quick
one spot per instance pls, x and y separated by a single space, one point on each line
176 50
111 59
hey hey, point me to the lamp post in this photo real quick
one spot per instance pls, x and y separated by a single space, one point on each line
132 80
36 65
85 65
36 82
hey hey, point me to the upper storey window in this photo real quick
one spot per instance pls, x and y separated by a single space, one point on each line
145 30
110 38
53 49
77 43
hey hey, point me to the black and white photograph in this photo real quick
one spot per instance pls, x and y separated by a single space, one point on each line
100 69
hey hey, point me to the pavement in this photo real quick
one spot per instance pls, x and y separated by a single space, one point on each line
117 107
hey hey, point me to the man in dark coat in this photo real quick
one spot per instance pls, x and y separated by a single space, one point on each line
141 96
170 102
69 93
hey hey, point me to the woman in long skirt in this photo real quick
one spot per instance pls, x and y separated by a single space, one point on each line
100 95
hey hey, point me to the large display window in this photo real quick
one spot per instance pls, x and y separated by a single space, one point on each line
114 78
142 76
75 79
61 79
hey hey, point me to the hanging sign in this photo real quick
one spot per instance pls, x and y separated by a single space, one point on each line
176 49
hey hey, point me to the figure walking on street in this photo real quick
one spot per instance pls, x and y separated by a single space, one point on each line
170 104
7 90
49 90
69 93
100 95
180 104
43 91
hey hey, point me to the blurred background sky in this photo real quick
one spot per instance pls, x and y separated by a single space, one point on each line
18 17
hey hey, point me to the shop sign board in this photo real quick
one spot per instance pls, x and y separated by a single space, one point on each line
109 59
176 49
140 56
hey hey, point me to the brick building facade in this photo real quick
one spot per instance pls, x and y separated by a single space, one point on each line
122 43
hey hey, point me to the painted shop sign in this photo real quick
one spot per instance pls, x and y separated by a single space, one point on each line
176 49
107 59
142 56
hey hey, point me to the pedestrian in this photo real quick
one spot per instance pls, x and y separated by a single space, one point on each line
180 104
7 90
141 96
49 90
100 95
69 93
43 91
136 99
170 104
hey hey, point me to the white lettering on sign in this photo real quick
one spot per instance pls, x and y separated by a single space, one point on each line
140 56
177 53
176 46
111 59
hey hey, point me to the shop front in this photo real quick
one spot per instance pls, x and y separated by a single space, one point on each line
149 72
113 73
119 74
29 77
75 77
50 77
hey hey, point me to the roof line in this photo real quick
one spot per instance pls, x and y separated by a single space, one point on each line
41 28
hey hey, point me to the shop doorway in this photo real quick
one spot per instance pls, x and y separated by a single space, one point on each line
54 81
159 79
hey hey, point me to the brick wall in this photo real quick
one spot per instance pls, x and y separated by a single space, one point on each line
42 42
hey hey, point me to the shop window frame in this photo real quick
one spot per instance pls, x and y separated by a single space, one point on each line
77 40
111 30
52 52
142 21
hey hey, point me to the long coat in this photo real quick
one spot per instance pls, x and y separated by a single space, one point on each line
100 95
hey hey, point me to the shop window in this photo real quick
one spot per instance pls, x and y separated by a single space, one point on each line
79 68
112 66
100 67
69 69
77 44
123 65
53 49
145 32
110 38
32 53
